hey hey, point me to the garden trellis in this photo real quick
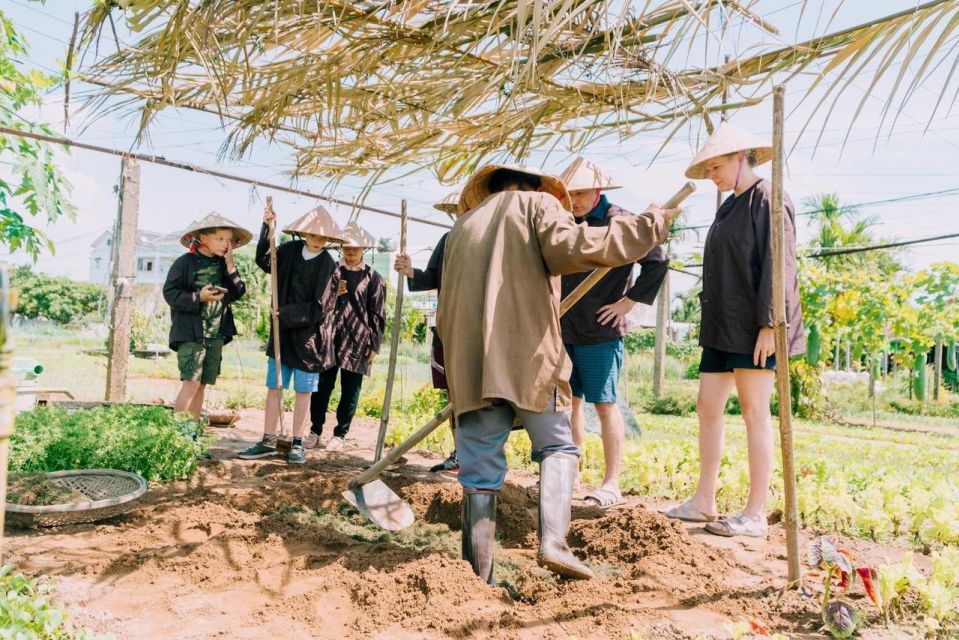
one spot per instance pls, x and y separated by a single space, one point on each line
357 88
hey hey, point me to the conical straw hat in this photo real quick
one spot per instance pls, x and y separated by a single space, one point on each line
728 139
317 221
214 220
356 236
449 203
583 174
477 188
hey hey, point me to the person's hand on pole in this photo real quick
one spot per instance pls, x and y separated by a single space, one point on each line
403 265
268 213
765 346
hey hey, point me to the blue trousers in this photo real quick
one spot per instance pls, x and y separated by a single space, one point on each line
481 439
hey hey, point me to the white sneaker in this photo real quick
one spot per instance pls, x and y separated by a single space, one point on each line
312 441
335 444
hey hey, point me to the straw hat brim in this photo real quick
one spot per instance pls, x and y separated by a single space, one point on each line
477 188
317 222
583 174
356 237
727 139
215 221
449 204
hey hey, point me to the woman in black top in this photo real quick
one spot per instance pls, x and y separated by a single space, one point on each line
736 333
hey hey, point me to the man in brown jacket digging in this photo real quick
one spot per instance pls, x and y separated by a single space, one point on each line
499 322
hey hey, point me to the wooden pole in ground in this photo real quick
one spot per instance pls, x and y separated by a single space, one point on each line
782 345
937 369
8 392
283 443
121 312
394 344
662 324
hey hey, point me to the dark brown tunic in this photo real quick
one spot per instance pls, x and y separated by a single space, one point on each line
307 297
360 318
737 297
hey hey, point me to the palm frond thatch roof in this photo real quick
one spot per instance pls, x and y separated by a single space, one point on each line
359 87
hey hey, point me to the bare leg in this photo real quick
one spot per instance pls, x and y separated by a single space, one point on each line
301 413
614 432
714 390
271 416
184 398
578 421
755 389
196 406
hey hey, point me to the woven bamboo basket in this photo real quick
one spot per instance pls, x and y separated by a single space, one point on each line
110 493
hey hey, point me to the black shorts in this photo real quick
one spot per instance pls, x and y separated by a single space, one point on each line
716 361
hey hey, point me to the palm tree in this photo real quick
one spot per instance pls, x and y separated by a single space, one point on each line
840 226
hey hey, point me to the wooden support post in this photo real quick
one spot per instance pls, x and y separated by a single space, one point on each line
662 325
394 345
937 370
782 346
121 312
8 391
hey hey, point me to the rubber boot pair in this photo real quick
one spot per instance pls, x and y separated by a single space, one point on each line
557 474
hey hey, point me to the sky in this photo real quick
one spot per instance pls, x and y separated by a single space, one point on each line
875 163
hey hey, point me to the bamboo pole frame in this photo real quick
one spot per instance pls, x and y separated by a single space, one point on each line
394 343
275 321
782 346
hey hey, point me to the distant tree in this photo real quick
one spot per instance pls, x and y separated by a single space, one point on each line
58 299
386 245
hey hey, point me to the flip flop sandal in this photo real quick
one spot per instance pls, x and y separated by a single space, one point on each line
738 525
688 513
604 497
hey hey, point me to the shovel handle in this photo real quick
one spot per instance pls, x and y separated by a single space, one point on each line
396 452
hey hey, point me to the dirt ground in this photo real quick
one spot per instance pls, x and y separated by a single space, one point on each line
265 550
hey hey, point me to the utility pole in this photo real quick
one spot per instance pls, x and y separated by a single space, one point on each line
121 312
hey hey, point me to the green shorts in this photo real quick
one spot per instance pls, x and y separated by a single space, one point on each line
200 362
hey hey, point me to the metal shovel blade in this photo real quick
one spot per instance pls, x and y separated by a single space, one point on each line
377 502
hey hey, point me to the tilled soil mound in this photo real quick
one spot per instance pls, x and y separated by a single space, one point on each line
266 550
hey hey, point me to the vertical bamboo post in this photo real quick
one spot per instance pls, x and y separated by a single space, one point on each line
124 271
782 346
662 324
7 391
275 323
394 343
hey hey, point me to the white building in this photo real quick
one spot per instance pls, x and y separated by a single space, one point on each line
155 253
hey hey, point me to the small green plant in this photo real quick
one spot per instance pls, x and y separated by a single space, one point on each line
27 610
151 441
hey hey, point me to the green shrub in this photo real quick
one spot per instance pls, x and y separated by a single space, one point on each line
151 441
26 610
692 371
673 403
58 299
641 340
370 405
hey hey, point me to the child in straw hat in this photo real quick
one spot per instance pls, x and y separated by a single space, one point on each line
736 331
593 329
358 323
307 280
429 279
200 287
